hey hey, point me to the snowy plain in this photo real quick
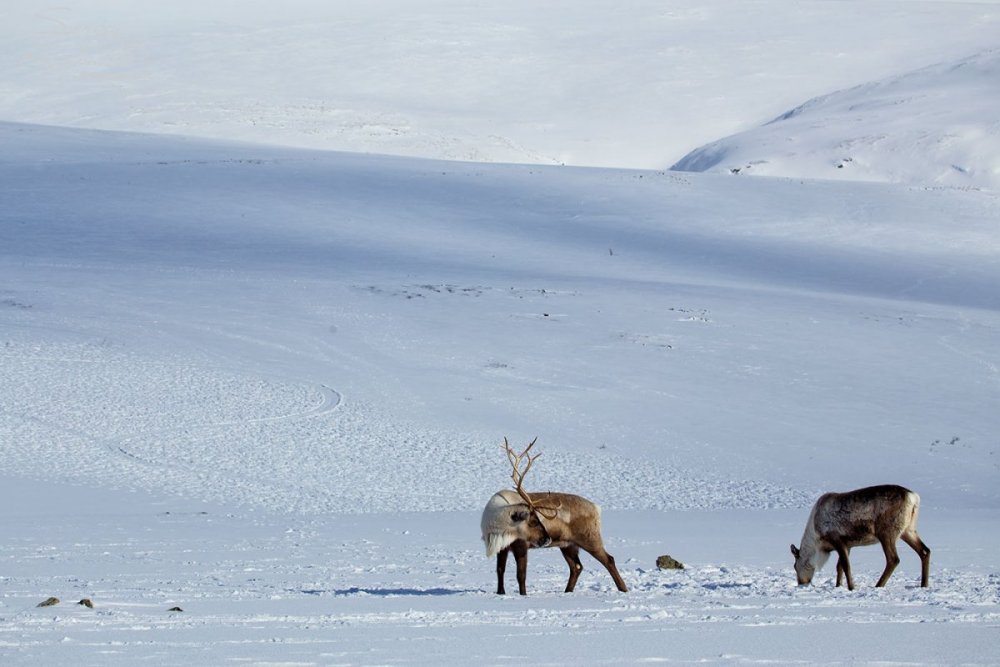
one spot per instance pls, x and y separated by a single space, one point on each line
255 370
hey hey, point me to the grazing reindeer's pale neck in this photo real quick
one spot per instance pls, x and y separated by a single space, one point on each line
817 557
809 549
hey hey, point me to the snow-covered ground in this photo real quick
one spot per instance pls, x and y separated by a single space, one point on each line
267 385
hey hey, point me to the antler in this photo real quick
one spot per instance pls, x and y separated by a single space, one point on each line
518 476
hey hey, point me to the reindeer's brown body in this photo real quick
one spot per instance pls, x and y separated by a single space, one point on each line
875 514
515 521
561 520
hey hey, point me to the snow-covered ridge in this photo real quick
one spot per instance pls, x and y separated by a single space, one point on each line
157 200
573 83
937 125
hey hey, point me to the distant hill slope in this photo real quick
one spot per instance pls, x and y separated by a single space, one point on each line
584 84
937 125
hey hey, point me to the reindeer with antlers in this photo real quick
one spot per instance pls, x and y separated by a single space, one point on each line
515 521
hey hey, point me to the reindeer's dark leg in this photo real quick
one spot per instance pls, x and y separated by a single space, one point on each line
520 550
501 568
840 569
891 561
572 556
925 556
844 565
608 561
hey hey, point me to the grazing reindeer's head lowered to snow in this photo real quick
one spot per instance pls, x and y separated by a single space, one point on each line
839 521
515 521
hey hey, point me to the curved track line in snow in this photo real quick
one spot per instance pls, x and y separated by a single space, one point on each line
330 401
287 446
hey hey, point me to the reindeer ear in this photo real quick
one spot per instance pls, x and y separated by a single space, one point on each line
795 551
519 516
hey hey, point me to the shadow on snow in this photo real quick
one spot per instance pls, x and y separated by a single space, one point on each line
392 592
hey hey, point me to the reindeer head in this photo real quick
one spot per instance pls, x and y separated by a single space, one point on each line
805 566
528 526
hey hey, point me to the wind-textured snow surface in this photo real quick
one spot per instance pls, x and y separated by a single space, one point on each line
252 397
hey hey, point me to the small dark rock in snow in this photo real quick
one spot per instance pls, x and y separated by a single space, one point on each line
175 609
669 563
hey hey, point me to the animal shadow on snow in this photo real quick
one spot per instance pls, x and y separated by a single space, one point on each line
393 592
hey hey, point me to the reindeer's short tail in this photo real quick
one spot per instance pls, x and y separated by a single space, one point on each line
913 498
497 542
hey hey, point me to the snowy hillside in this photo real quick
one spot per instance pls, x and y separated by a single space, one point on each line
563 82
935 126
249 347
623 293
254 389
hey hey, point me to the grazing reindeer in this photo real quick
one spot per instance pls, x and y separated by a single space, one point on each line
514 521
839 521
